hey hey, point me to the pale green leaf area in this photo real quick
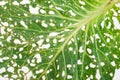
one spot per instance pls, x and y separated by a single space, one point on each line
60 39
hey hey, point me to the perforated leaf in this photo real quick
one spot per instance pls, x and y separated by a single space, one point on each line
59 39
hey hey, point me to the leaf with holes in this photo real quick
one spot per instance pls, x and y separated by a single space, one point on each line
59 39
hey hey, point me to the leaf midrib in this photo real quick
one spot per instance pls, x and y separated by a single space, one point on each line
78 26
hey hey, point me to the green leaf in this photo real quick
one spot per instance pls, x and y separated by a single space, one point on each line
59 39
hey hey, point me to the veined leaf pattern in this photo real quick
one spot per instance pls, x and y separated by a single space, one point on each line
59 39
